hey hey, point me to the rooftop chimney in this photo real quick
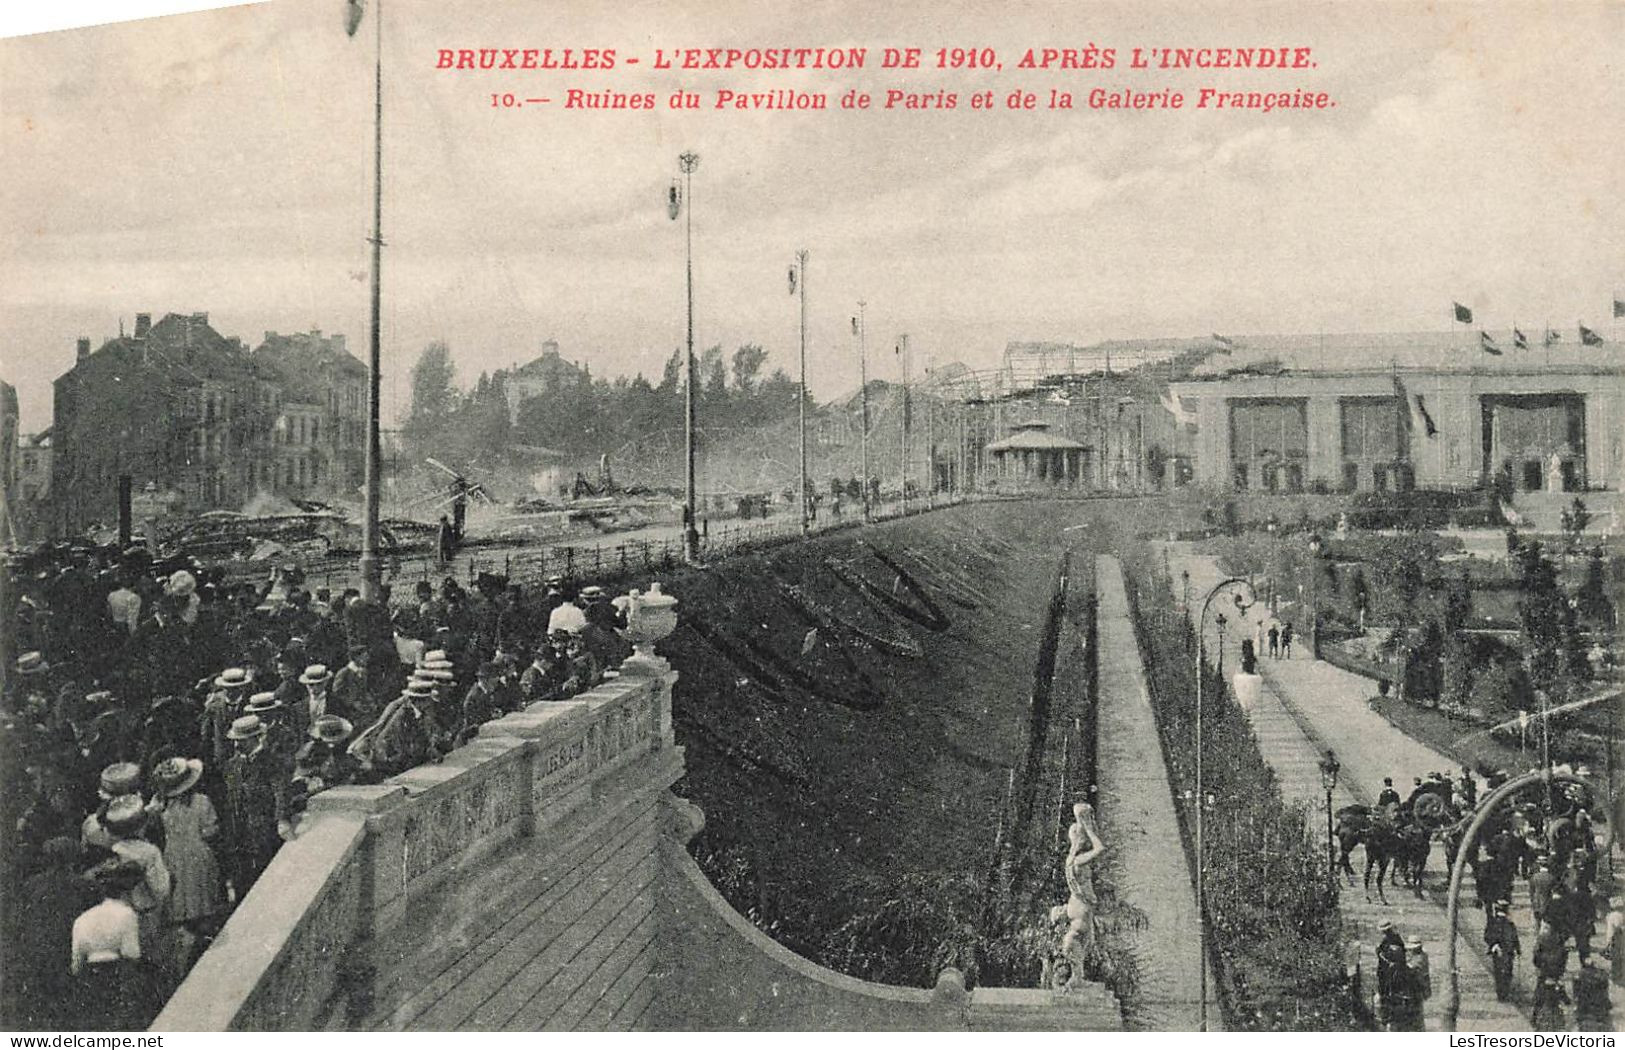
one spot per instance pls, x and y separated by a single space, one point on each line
143 324
84 348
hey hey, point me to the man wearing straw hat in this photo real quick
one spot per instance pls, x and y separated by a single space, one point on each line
256 803
323 761
222 708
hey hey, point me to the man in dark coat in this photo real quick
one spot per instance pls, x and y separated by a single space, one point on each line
544 678
1501 938
353 693
1390 960
483 702
1592 1009
448 541
256 811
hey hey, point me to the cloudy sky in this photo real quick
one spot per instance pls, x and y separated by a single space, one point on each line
220 162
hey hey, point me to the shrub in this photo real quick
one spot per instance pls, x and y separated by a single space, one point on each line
1276 935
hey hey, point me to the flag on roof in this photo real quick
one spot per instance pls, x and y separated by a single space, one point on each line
1619 307
1552 336
1486 344
792 280
1463 315
1520 340
854 326
1590 338
352 16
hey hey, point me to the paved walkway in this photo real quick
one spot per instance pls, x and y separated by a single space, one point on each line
1304 706
1144 857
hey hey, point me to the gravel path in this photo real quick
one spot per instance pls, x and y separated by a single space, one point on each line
1144 858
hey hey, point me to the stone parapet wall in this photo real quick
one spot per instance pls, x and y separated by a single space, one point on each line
381 879
536 879
715 971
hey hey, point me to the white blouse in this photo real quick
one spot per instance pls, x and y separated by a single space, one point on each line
106 933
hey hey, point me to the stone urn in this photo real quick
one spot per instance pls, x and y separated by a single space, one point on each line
650 616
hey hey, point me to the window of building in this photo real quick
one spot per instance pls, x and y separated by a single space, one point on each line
1268 436
1371 429
315 431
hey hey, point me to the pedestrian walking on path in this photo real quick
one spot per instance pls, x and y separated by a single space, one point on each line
1501 938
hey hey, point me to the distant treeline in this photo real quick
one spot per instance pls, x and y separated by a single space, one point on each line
572 411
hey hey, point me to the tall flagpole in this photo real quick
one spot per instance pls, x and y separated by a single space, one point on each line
687 162
801 404
930 436
902 350
863 366
371 576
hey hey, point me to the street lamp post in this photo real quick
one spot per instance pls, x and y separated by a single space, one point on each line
1242 604
687 163
1329 767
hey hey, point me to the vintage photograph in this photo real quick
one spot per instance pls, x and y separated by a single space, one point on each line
696 515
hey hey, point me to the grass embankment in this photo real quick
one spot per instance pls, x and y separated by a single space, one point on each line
858 712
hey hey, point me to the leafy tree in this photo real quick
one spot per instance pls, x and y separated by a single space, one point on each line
434 398
1594 606
1458 604
747 365
671 377
1574 521
713 375
1156 464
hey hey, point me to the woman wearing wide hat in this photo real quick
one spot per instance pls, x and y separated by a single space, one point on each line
126 820
197 893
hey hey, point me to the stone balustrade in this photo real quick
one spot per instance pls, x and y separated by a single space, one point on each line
313 942
537 879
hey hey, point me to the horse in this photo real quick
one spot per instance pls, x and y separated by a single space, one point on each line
1378 831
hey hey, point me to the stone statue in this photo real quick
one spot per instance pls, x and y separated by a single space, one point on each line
1554 473
1067 965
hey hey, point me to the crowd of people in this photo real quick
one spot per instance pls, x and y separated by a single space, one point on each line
1552 846
163 730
